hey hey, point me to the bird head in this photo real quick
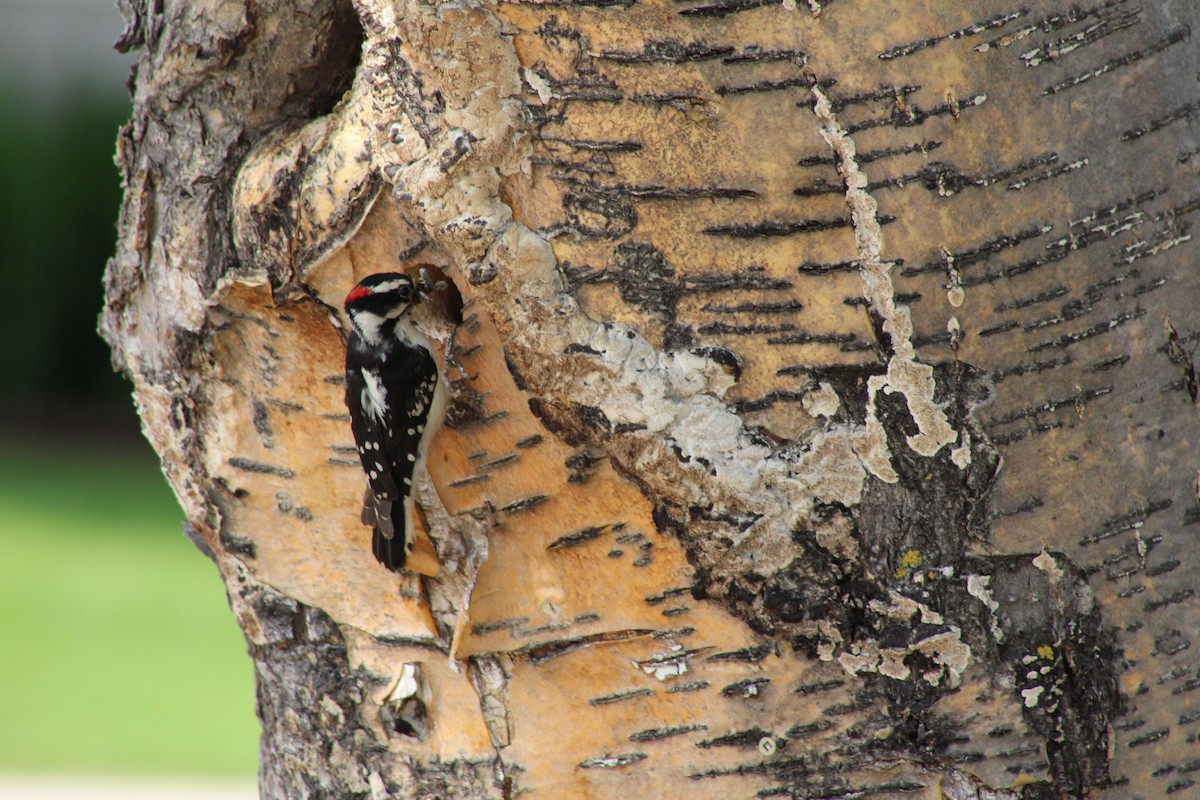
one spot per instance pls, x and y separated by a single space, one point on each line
377 299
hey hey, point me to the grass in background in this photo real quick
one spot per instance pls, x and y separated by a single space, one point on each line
118 652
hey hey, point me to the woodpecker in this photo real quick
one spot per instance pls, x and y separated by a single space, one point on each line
396 399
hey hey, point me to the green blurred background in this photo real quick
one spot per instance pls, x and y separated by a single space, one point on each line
118 652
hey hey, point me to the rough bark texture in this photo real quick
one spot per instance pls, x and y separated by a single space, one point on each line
824 404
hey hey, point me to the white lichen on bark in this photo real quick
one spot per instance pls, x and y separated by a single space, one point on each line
904 374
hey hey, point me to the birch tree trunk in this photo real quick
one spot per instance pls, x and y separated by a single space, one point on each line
823 416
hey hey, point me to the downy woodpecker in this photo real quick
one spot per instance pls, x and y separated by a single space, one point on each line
396 400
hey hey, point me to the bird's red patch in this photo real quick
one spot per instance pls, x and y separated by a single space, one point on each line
359 292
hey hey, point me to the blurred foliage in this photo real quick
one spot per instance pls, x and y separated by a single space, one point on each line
59 197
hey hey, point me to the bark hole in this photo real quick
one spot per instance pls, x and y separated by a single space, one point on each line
318 85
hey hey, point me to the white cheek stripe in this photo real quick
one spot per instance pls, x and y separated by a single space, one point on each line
369 326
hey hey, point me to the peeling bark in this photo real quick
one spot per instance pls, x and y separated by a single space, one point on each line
820 426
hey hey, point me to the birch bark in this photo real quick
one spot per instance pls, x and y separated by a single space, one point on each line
823 416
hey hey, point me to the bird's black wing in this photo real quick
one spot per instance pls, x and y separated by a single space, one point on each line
389 401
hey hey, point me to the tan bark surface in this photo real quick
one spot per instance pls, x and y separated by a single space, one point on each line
823 413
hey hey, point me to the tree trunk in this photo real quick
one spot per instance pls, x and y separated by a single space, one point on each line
823 417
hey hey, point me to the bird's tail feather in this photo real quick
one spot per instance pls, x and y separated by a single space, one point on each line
388 552
388 537
394 524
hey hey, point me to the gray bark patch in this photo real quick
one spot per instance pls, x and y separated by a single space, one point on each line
896 582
